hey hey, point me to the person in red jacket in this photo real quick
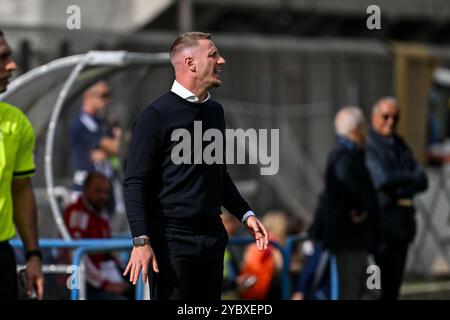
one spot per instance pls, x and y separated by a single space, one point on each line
87 218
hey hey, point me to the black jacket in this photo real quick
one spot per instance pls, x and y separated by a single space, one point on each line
348 188
396 175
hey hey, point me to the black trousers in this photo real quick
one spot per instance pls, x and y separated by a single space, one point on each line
8 274
391 258
190 262
352 266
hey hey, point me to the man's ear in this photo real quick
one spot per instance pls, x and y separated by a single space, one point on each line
189 62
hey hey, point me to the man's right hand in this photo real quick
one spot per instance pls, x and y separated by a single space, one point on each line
141 258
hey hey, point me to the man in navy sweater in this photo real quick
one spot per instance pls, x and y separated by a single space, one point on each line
174 207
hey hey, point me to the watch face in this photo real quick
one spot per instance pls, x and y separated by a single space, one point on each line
139 241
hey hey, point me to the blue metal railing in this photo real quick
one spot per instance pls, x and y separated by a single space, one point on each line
96 247
84 246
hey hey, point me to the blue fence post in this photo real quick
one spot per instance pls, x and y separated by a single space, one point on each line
76 260
334 278
139 290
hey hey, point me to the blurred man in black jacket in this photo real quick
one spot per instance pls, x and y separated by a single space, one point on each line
349 205
397 178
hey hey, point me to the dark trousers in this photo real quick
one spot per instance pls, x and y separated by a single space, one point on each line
8 274
391 258
190 262
352 266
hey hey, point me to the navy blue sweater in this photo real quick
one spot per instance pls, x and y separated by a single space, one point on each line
158 190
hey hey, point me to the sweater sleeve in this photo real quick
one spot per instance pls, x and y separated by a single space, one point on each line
232 199
142 168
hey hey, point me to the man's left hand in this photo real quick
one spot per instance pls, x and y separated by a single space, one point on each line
257 230
35 277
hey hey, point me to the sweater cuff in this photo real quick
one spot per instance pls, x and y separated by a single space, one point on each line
138 229
247 215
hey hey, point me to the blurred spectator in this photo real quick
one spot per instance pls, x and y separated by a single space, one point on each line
296 227
350 209
87 218
314 280
230 265
260 270
93 140
114 159
117 167
397 178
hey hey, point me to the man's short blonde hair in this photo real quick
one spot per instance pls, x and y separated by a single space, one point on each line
187 40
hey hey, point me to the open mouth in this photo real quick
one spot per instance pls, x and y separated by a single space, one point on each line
217 72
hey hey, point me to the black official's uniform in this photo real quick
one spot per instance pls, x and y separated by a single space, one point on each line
178 205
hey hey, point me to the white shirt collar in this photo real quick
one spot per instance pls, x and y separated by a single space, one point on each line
184 93
88 121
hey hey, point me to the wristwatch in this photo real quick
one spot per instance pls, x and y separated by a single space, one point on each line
140 241
33 253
